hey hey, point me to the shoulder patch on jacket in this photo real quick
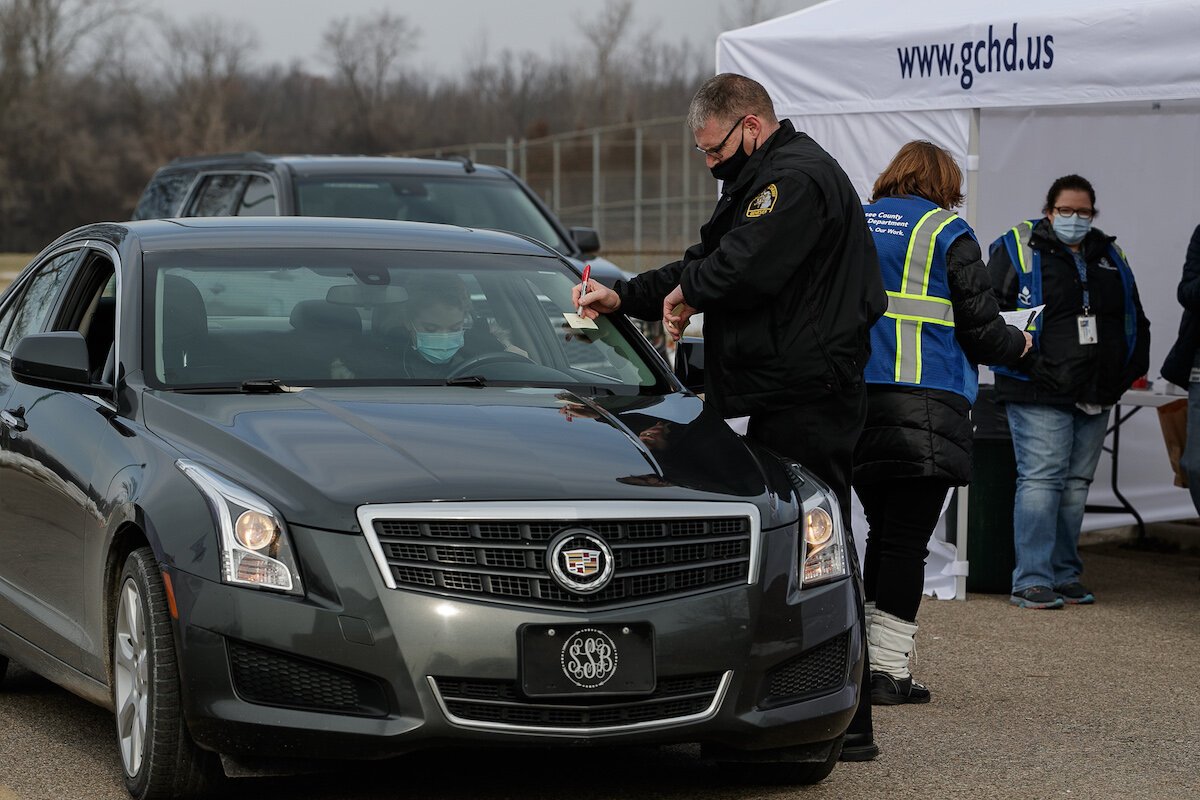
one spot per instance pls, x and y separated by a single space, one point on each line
763 202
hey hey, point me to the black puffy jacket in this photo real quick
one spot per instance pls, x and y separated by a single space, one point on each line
927 433
1177 367
787 277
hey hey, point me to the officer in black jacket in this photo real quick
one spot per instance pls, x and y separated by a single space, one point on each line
787 277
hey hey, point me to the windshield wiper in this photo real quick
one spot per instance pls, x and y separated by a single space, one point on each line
268 386
467 380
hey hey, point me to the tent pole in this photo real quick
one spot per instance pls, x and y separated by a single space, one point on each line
961 532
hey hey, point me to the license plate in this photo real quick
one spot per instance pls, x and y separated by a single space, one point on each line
558 660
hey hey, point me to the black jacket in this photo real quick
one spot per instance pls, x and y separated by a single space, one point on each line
1177 367
1063 371
787 278
927 433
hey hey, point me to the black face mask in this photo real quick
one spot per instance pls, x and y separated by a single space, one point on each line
729 169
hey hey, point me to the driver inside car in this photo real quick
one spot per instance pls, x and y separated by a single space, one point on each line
430 335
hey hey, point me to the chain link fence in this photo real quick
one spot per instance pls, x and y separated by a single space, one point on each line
641 185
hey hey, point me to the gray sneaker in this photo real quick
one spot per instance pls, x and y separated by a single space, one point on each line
1075 594
1036 597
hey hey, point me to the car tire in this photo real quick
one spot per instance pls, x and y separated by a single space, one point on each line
158 757
762 771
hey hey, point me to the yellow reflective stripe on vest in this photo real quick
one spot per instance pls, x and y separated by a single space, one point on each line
1022 233
920 308
913 306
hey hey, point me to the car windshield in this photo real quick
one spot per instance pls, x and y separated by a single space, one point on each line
260 320
473 201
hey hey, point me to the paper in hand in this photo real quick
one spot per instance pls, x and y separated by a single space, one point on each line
580 323
1022 318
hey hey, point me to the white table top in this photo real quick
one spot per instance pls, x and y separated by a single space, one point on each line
1149 397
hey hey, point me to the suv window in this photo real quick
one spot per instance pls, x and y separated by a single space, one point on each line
41 292
259 199
475 201
218 196
164 194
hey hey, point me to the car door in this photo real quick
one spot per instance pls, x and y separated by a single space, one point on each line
48 495
34 522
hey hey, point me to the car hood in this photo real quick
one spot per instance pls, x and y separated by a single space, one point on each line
318 454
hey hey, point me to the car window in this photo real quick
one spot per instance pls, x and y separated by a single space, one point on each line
91 308
218 196
33 308
472 201
259 199
164 194
380 318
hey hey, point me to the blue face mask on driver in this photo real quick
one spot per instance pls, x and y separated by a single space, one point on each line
438 348
1072 229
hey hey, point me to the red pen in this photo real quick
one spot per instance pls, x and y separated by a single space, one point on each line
587 272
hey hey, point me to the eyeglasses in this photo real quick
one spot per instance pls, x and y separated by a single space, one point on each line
1067 211
715 152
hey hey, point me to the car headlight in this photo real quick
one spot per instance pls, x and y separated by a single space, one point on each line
822 546
823 541
255 548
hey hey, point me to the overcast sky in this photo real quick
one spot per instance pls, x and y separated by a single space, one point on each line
290 30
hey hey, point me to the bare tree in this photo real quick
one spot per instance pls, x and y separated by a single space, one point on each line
747 12
366 54
606 33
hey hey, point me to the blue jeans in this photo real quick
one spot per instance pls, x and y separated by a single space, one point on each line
1057 449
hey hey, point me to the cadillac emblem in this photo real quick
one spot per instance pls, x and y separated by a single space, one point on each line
589 658
580 561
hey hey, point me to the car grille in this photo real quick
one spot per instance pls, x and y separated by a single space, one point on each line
271 678
818 671
500 703
506 561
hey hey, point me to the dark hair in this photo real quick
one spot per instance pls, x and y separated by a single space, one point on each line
923 169
728 97
427 289
1066 183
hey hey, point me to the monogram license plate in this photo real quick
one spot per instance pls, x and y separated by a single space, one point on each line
587 659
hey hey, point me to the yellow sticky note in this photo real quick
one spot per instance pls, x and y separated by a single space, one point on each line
580 323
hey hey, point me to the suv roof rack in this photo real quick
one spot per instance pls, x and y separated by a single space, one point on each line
468 164
249 155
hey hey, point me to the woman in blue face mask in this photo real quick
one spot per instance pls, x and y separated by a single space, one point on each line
1089 346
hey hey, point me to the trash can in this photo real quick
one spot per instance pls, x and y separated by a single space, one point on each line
991 498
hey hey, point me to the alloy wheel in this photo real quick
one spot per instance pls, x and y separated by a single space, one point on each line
131 673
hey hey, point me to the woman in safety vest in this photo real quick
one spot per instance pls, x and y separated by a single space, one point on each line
1089 346
941 321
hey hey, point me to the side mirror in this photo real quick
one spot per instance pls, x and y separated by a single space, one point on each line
586 239
689 363
57 361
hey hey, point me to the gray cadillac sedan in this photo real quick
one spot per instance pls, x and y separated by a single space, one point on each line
279 490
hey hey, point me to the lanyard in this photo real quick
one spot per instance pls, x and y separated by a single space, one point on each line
1081 266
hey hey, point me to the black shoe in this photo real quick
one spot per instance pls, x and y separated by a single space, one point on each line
889 691
1036 597
1075 594
859 747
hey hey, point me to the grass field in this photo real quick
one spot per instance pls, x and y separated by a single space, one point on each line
10 265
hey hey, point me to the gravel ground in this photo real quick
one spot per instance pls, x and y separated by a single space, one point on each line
1086 702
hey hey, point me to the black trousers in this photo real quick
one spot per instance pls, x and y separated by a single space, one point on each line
902 515
821 435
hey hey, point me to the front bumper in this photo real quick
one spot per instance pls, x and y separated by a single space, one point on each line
413 670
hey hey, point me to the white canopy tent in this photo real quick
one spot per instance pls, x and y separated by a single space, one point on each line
1021 93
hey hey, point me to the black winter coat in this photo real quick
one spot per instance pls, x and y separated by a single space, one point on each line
1177 368
927 433
787 277
1063 371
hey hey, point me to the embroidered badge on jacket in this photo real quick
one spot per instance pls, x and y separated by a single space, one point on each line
763 202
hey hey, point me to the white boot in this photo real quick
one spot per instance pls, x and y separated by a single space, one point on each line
890 641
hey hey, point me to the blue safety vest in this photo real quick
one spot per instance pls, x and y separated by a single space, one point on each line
1027 261
913 343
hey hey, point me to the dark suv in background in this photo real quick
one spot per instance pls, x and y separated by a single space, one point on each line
450 192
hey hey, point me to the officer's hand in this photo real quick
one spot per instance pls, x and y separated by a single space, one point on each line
1028 342
599 299
676 313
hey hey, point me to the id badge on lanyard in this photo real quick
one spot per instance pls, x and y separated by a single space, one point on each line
1089 332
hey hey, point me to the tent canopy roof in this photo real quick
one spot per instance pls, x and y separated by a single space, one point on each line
862 55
